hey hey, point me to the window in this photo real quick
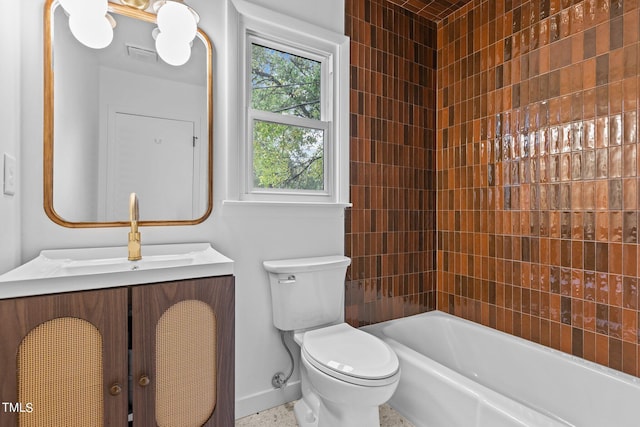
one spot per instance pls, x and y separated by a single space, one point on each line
289 138
293 109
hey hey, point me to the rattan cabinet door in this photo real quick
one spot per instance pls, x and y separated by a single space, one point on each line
63 360
183 353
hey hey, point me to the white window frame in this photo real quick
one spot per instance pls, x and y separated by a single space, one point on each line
267 28
285 119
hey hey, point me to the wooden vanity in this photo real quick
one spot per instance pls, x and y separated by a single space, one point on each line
154 354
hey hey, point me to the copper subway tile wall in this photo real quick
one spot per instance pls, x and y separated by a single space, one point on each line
433 10
390 230
537 173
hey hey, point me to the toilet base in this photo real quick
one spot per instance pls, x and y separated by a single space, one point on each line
314 411
332 415
307 408
329 415
305 417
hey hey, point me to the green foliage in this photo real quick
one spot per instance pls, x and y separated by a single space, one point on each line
285 156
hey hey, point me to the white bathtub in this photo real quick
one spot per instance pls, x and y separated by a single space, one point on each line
456 373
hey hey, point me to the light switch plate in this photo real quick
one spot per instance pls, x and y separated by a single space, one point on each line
10 175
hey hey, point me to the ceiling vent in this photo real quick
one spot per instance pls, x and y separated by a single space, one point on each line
142 54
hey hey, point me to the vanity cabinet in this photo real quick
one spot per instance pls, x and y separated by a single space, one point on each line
183 353
160 353
59 357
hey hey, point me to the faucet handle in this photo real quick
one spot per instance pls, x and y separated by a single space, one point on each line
134 213
134 234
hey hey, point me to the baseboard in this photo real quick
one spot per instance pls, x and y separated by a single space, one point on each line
267 399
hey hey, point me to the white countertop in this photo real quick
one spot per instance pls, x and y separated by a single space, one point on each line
68 270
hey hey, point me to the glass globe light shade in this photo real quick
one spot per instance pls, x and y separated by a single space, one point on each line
173 52
177 20
70 5
93 31
85 7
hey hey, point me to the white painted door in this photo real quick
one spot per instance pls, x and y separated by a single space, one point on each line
153 157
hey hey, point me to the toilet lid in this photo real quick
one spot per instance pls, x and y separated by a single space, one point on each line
348 353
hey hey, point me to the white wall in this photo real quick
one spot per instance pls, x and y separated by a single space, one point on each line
248 233
325 13
9 131
76 124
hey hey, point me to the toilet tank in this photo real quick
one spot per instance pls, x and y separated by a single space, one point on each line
307 292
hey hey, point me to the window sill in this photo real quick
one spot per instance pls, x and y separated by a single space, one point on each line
274 203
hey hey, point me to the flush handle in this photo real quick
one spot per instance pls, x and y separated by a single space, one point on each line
288 281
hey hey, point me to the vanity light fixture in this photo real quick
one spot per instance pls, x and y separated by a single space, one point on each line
136 4
89 22
177 25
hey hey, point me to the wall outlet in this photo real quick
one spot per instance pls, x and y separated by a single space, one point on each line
10 175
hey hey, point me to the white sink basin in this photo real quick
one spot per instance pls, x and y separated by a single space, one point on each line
65 270
110 265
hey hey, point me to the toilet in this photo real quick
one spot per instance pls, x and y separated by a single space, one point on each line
345 373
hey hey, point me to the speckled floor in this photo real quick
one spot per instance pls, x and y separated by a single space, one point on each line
282 416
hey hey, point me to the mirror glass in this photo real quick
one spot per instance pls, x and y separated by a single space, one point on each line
120 120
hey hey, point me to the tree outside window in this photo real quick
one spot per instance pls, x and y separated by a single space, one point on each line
289 136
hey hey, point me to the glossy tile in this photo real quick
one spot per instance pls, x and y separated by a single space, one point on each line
561 171
390 230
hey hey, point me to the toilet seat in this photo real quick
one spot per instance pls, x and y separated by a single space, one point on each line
351 355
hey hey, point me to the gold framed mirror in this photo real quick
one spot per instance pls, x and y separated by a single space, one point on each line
119 120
